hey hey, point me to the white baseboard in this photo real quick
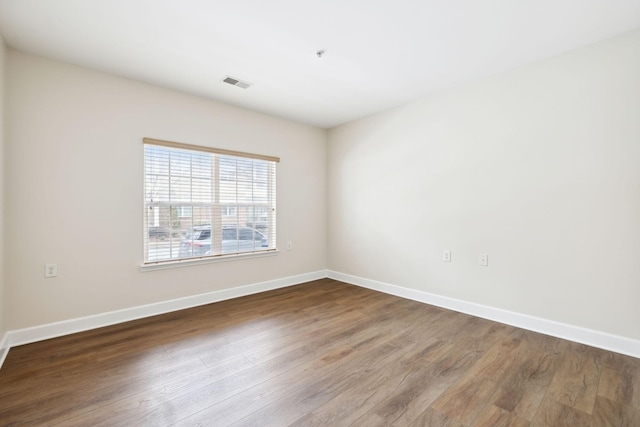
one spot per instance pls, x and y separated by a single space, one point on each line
66 327
4 348
578 334
593 338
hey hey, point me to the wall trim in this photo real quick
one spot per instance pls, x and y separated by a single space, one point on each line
590 337
578 334
4 348
67 327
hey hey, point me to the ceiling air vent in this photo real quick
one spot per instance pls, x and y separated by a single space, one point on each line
236 82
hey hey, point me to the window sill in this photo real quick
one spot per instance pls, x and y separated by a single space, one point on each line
208 260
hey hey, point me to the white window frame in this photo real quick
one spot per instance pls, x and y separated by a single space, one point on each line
253 191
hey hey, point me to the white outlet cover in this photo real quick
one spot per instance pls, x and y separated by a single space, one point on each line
483 260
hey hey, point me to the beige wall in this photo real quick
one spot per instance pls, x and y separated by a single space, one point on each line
3 303
538 167
74 190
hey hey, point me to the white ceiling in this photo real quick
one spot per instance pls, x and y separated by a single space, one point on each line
379 53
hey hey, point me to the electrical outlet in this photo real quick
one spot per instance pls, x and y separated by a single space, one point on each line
50 270
483 260
446 256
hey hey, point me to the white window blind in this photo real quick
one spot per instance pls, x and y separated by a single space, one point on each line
204 202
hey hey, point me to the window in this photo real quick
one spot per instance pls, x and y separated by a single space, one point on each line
183 211
201 202
229 211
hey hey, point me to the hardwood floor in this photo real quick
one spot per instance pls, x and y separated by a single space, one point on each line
319 354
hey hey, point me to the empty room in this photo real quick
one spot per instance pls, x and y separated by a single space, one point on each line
355 213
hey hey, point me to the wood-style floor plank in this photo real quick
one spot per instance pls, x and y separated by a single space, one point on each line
322 353
431 417
492 416
527 379
613 413
555 414
575 382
